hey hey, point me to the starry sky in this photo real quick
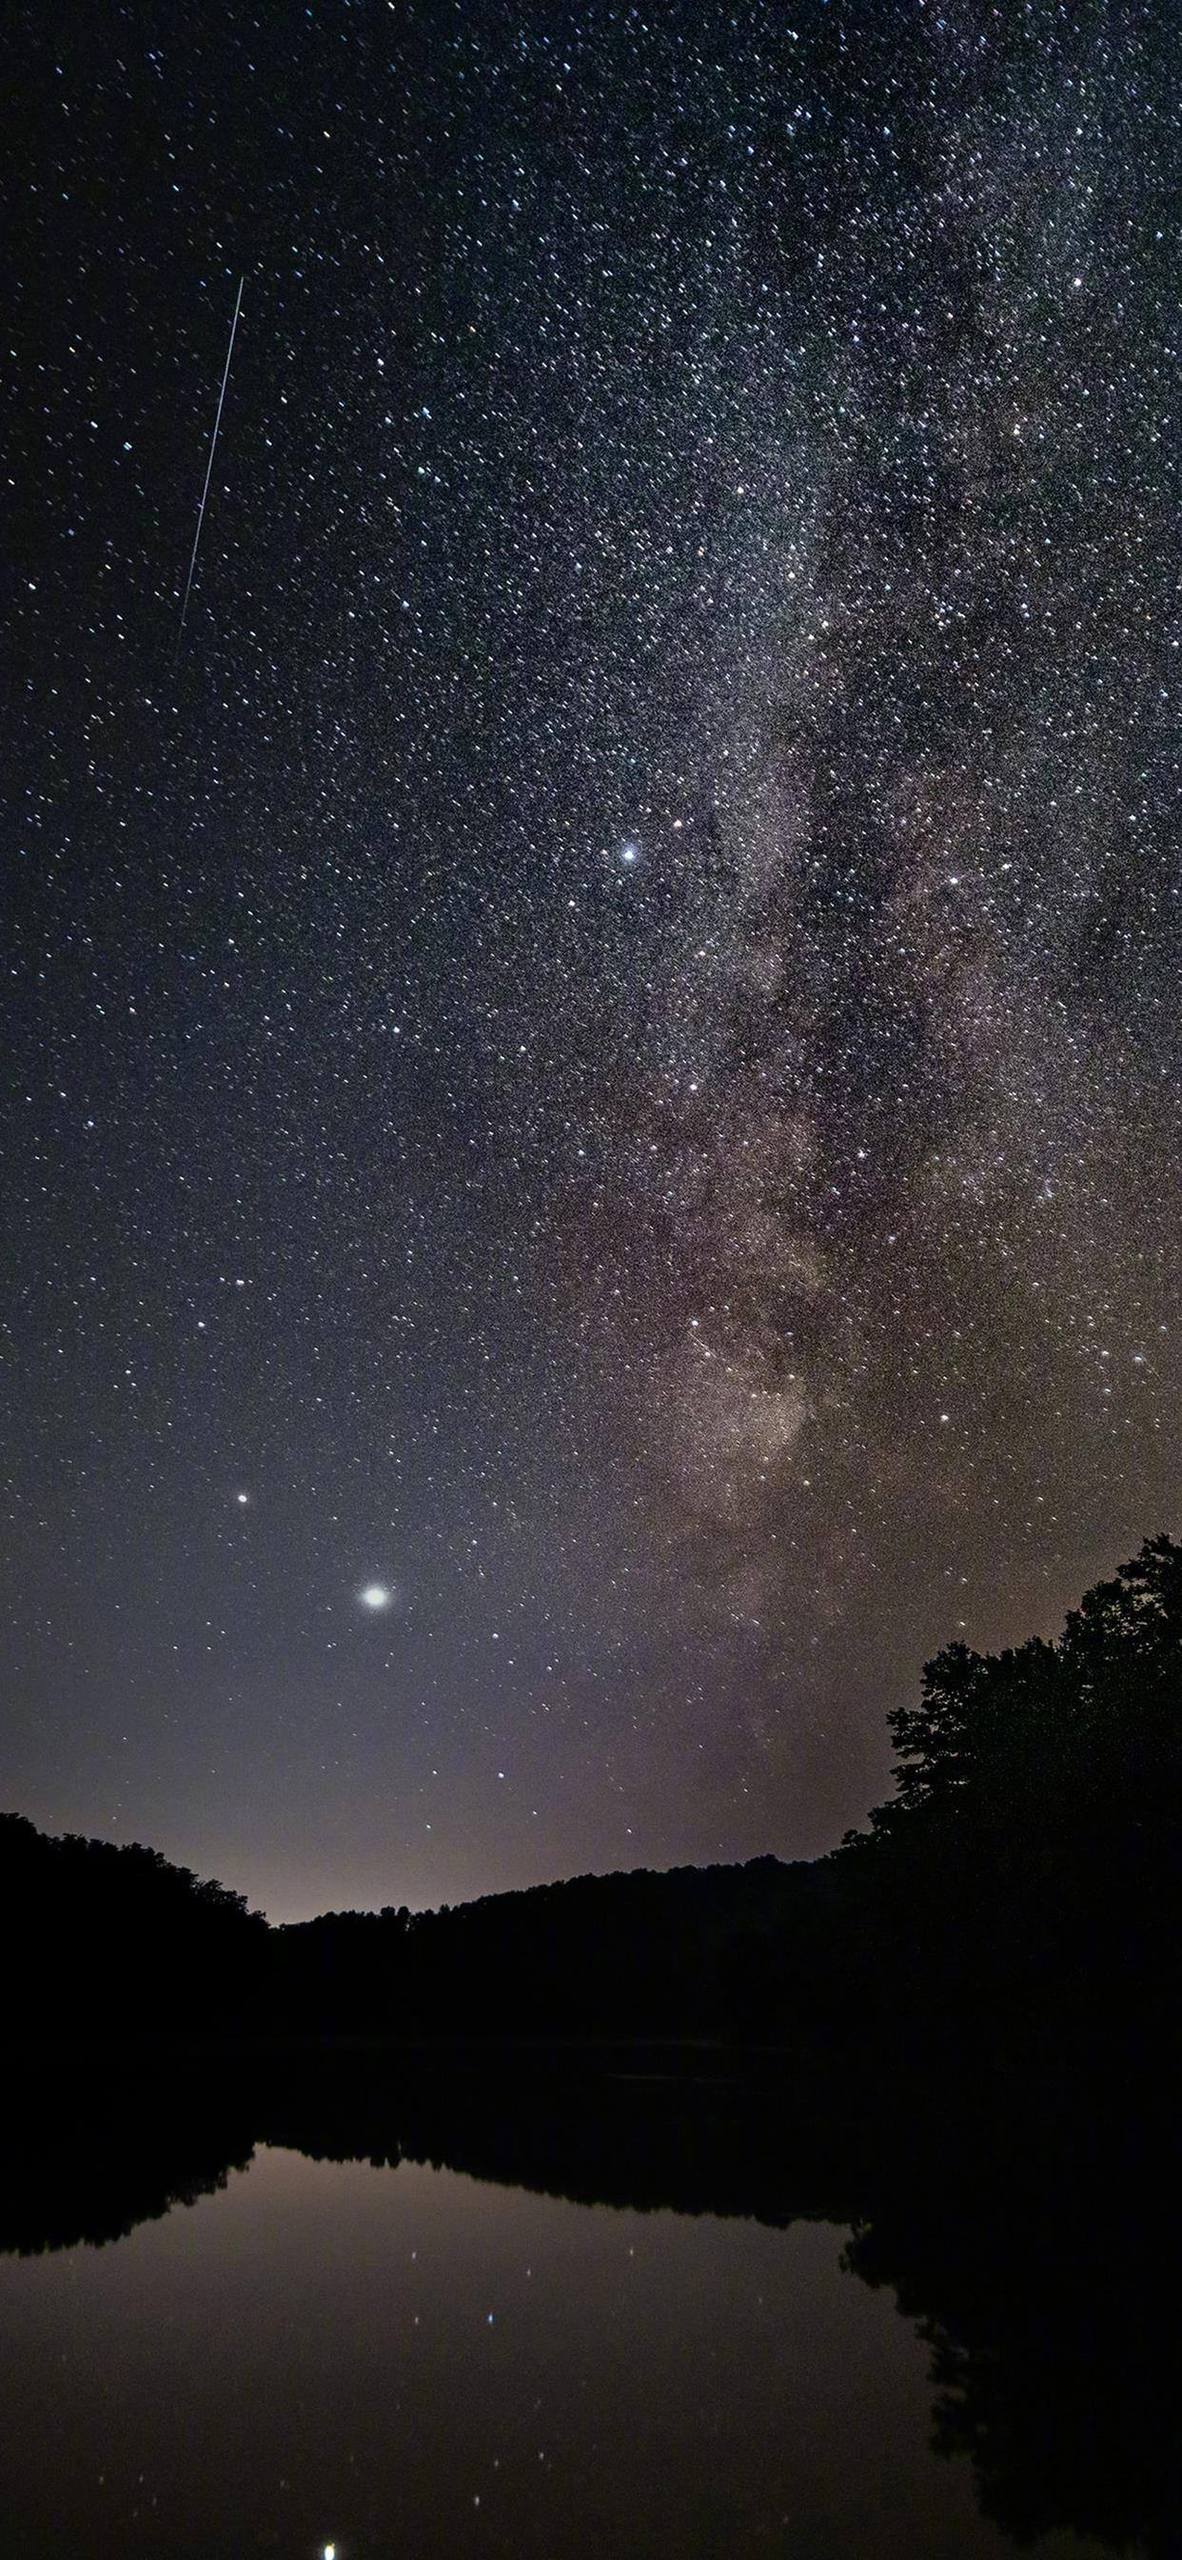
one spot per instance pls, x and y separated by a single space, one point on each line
591 1141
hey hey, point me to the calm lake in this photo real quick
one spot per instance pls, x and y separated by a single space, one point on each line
375 2361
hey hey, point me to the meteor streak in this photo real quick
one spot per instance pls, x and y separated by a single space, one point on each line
213 446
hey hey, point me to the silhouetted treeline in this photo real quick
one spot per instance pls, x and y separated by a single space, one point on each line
106 1941
1020 1886
605 1956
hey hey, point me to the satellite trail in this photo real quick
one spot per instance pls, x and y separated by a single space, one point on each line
213 446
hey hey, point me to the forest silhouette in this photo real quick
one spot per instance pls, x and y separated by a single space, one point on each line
1017 1893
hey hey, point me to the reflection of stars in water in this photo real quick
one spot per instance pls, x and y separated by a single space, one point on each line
376 1595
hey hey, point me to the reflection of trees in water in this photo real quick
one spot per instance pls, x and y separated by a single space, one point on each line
1026 2243
84 2159
1050 2327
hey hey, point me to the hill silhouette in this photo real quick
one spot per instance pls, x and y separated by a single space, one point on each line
1020 1886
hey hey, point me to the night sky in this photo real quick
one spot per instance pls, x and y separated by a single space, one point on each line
590 1157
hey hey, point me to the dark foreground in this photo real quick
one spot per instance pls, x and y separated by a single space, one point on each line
950 2040
1025 2227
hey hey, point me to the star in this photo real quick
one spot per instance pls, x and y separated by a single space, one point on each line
375 1596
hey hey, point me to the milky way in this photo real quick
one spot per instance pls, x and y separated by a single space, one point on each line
602 1060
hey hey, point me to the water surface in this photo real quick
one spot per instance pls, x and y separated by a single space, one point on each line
412 2361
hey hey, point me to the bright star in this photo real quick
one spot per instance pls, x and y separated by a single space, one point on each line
375 1595
630 851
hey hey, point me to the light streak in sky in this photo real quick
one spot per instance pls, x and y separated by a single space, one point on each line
213 446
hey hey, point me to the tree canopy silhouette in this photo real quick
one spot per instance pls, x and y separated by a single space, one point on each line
1027 1864
994 1736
